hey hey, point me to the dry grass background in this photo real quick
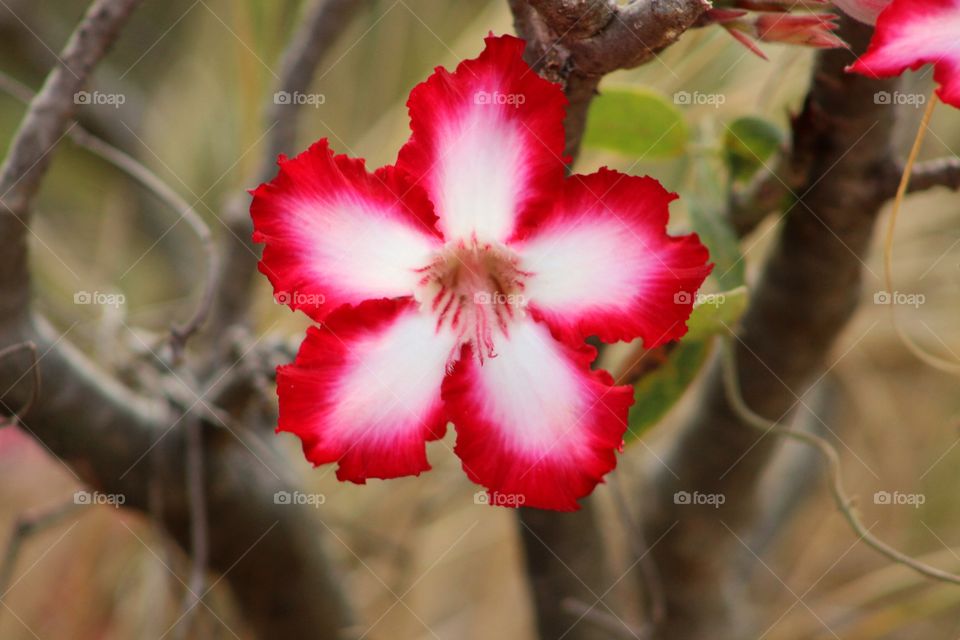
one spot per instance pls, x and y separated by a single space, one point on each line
193 114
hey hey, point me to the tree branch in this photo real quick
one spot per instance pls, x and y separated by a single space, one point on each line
807 293
943 172
149 180
577 42
122 442
323 22
44 124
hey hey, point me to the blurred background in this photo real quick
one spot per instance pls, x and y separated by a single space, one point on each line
422 559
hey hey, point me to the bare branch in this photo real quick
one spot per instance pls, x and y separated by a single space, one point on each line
772 190
943 172
25 526
199 526
43 126
122 442
324 20
577 42
161 190
650 575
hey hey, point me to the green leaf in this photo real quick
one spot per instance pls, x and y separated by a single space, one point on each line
659 390
706 206
748 143
715 312
636 123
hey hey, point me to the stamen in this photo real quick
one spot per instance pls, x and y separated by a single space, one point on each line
475 289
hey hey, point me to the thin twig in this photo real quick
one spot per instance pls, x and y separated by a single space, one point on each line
23 528
199 536
35 389
161 190
641 551
47 119
844 503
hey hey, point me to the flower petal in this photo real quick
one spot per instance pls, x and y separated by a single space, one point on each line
602 263
912 33
534 425
486 141
364 390
336 234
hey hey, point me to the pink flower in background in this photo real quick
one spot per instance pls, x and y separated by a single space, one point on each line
459 286
863 10
912 33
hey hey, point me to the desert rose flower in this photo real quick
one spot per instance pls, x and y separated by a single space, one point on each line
912 33
459 285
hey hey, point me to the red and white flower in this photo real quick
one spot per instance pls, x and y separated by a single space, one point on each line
912 33
459 286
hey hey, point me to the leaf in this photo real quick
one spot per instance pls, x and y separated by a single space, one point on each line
715 312
706 207
748 143
636 123
658 391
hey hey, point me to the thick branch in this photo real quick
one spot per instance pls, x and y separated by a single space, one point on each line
807 293
577 42
103 432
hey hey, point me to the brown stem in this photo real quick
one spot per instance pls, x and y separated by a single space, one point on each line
575 43
808 291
